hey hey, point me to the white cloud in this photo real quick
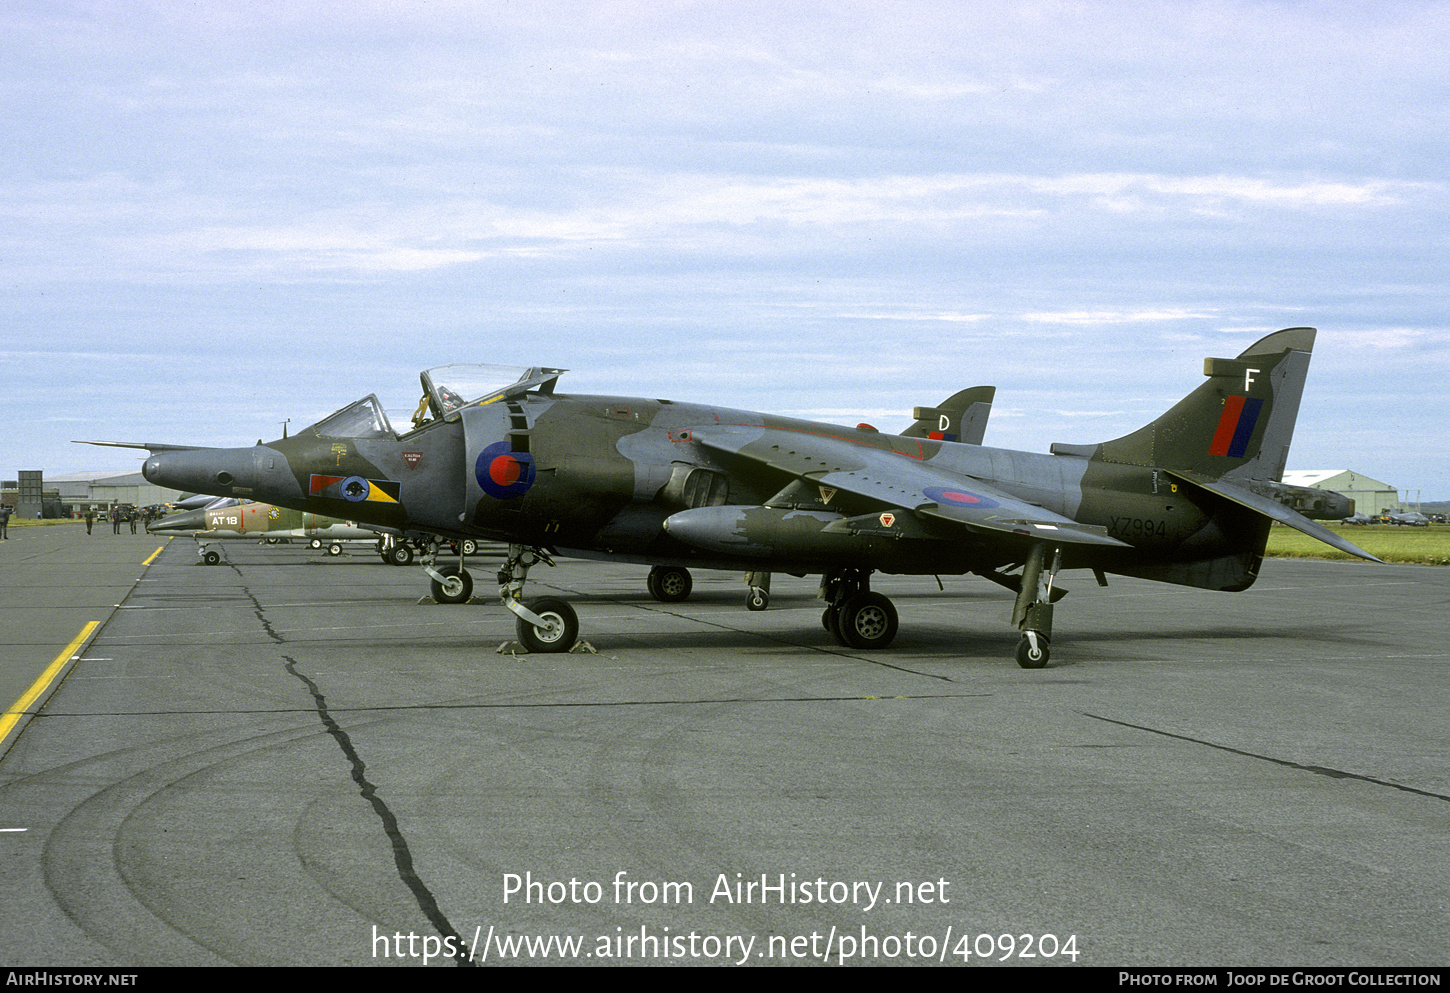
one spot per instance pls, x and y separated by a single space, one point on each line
1082 317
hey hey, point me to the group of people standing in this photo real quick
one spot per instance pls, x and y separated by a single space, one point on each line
118 516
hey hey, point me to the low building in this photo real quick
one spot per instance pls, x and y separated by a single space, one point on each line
99 490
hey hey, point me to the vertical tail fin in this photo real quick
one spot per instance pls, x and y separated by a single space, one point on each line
960 417
1236 425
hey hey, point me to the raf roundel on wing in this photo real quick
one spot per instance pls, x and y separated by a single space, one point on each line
958 497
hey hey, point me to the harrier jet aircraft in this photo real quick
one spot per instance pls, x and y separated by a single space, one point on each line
501 455
229 519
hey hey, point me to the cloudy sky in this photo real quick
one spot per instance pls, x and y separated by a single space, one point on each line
216 216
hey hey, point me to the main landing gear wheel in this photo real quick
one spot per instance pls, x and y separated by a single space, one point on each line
457 585
867 620
1032 656
399 555
669 583
468 547
561 628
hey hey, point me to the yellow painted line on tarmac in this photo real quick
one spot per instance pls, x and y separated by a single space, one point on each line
153 556
17 710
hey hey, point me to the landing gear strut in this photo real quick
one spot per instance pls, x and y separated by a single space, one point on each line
545 624
856 617
1032 613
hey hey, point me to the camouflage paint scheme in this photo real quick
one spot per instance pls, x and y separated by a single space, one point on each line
258 520
1186 499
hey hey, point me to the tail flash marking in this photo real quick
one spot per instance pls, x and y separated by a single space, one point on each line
1236 426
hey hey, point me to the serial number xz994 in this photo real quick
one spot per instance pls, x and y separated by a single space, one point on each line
1137 527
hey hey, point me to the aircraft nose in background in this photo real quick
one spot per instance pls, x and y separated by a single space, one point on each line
190 520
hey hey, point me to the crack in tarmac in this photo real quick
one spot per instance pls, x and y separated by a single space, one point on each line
1318 770
402 854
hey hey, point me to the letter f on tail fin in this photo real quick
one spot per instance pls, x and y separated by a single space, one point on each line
1232 432
1238 424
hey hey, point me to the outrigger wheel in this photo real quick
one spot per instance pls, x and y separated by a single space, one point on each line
1033 651
1032 613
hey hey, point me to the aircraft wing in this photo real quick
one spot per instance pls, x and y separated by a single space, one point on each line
893 480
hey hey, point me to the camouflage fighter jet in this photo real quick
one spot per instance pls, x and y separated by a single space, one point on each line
676 485
229 519
1408 519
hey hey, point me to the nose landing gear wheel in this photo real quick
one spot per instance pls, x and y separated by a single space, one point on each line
456 587
561 628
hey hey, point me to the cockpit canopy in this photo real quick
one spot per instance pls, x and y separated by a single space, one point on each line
363 419
447 389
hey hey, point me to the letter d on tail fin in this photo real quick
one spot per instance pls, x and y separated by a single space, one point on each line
1236 425
960 417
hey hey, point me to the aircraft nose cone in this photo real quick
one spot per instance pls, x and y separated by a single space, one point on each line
256 473
221 471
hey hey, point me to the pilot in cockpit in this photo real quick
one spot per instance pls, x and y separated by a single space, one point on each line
435 403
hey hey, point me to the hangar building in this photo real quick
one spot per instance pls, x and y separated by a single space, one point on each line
80 490
1370 496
